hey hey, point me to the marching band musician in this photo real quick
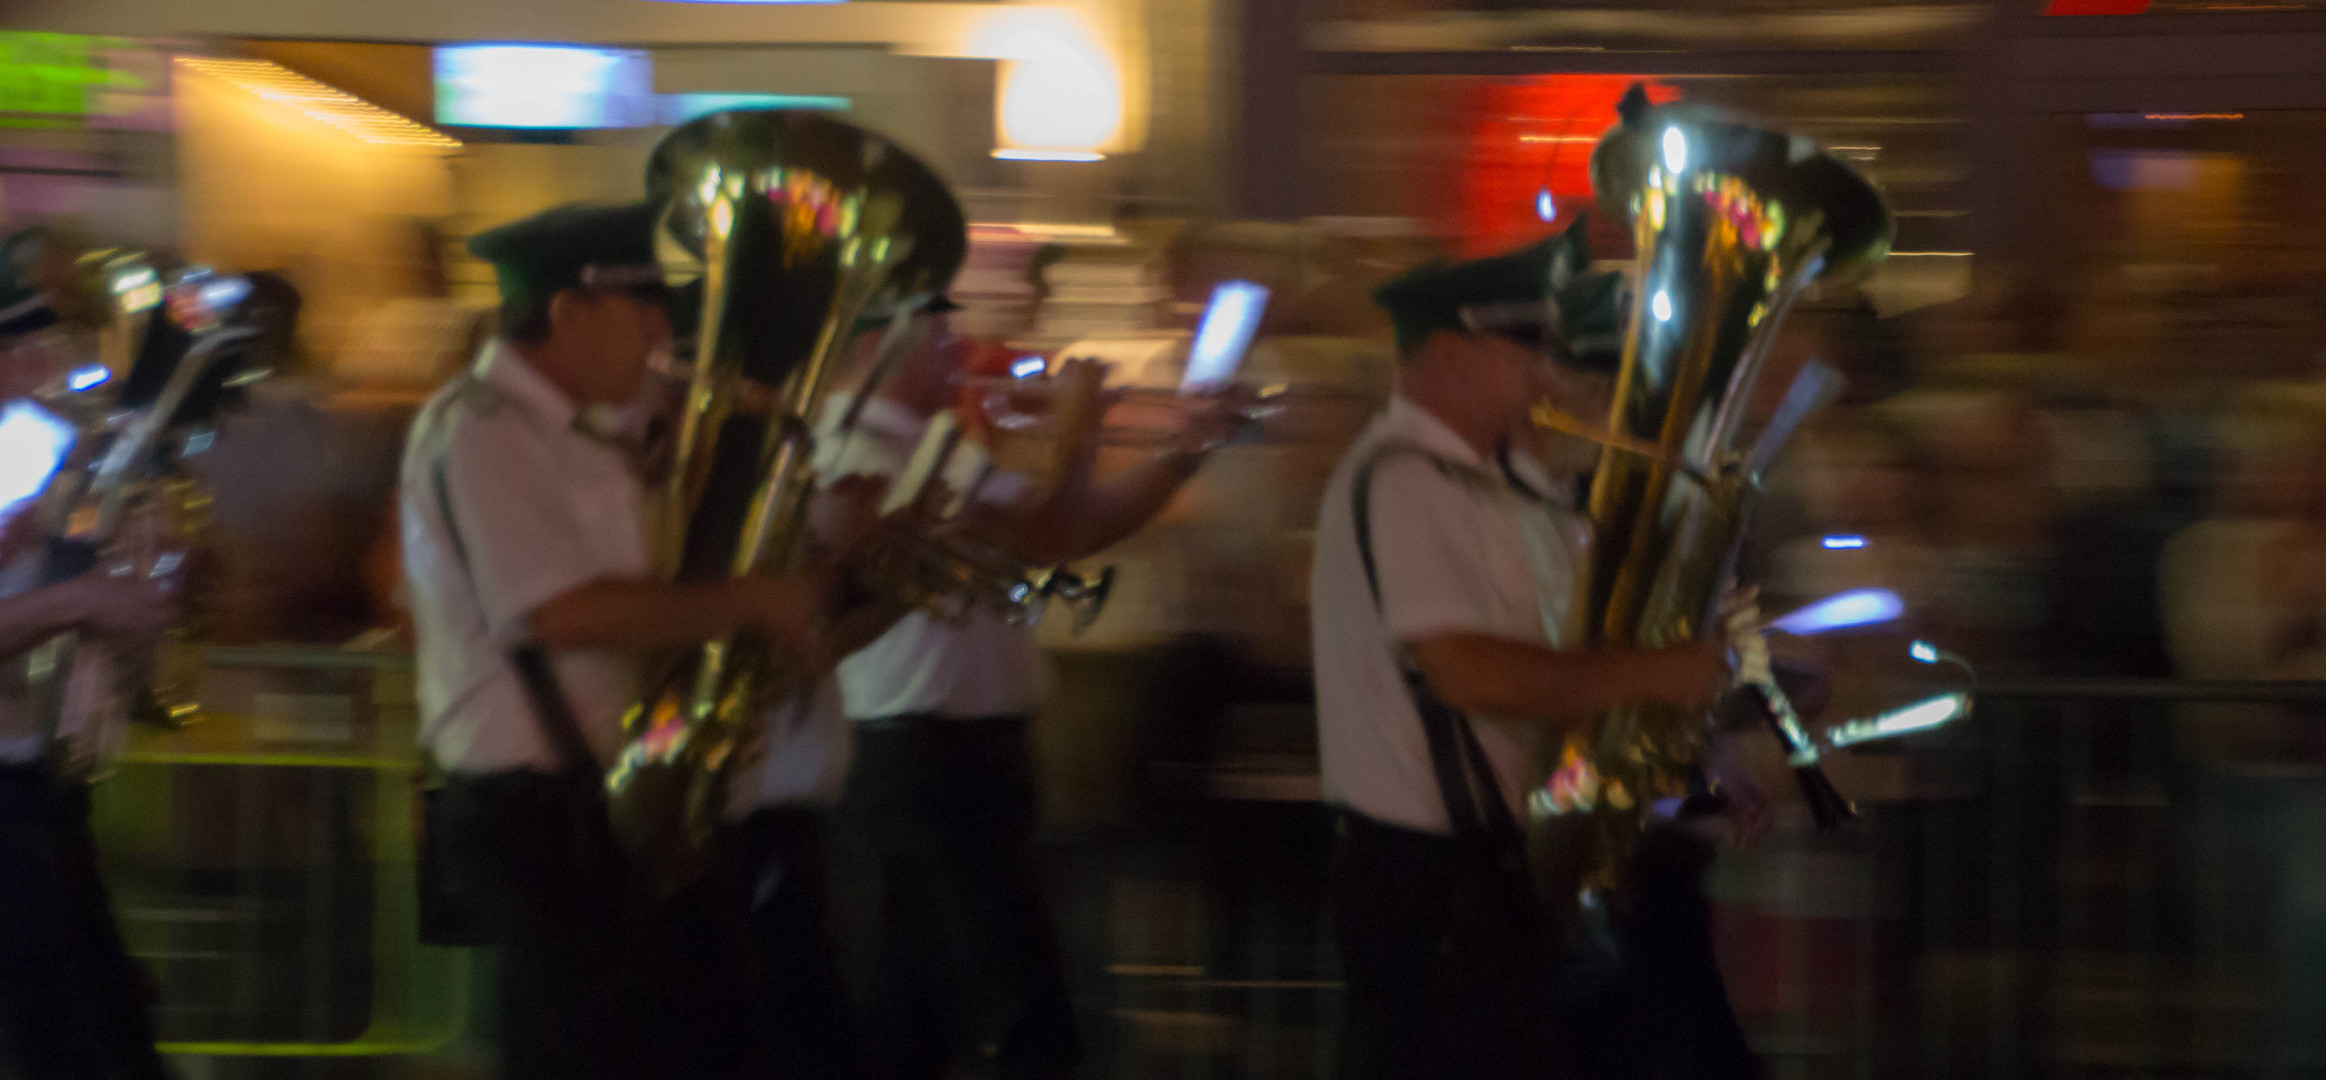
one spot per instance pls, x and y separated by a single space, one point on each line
73 1003
525 545
1444 621
941 792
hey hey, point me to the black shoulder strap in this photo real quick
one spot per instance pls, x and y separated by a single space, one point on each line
552 711
1466 781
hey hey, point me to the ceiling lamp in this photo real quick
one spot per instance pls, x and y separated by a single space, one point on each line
323 104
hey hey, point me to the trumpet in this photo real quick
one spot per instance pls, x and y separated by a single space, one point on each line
1257 414
924 552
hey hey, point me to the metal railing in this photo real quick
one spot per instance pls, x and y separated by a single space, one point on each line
416 995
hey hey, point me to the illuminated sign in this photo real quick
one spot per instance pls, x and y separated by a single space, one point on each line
73 80
543 86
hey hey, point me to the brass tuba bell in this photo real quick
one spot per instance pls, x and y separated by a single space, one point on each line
780 230
1731 223
168 350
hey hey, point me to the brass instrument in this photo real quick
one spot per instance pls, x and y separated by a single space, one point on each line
123 501
1731 223
789 226
928 552
924 556
950 570
1266 403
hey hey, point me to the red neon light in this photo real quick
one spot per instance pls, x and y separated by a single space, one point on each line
2095 7
1530 134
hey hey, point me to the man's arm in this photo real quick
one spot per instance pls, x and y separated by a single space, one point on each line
29 618
538 581
107 604
607 614
1088 516
1502 679
862 625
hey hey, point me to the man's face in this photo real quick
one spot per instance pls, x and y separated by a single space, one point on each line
1581 393
924 379
617 332
1586 396
1507 378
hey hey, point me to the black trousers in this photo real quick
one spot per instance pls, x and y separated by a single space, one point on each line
596 980
966 968
1446 979
73 1004
801 1011
1442 978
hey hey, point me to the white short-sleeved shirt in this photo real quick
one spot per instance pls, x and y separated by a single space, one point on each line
22 738
1458 549
804 760
542 508
980 666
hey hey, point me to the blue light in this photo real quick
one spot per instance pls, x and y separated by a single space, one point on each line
82 378
1843 543
1921 716
1675 151
1546 207
224 293
1923 651
543 86
1857 607
1026 367
680 108
32 445
1224 335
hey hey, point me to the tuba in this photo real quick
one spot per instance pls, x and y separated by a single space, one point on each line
780 230
1731 223
169 351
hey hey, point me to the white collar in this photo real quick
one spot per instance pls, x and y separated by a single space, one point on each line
502 369
879 416
882 416
1412 423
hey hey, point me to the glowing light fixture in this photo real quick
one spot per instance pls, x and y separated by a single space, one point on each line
1675 151
1026 367
1843 543
1546 207
84 378
1923 651
1661 306
322 104
1061 92
1049 155
1841 611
